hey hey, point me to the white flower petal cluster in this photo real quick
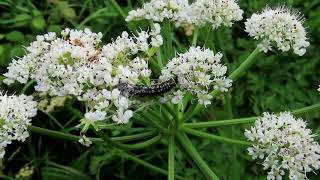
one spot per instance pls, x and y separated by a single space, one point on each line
213 12
198 71
76 63
85 141
15 115
285 144
158 10
199 13
278 28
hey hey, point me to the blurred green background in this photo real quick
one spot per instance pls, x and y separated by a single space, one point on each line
277 82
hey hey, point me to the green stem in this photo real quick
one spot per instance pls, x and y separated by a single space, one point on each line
195 37
145 164
141 145
160 64
221 122
307 109
244 65
247 120
171 157
71 137
228 105
118 8
215 137
53 119
168 46
191 150
26 86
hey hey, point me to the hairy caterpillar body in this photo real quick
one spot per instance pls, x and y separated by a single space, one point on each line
142 90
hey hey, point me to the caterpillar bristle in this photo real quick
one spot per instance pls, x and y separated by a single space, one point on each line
141 90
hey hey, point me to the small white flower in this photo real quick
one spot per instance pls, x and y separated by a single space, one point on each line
122 116
85 141
177 97
157 41
280 27
285 144
204 99
113 95
95 116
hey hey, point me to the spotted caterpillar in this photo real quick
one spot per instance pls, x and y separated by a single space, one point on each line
141 90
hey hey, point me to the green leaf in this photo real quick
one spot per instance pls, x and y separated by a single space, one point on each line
1 50
69 12
15 36
17 51
38 23
2 36
54 28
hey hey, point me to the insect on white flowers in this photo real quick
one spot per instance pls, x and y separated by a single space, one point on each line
280 28
198 70
285 144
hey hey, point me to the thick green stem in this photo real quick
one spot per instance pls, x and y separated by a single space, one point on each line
191 150
215 137
171 157
168 46
145 164
307 109
58 134
195 37
244 65
118 8
141 145
71 137
247 120
221 122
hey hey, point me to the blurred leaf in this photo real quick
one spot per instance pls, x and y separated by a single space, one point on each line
15 36
54 28
69 12
38 23
17 51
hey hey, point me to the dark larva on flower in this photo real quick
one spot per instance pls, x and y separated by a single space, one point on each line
141 90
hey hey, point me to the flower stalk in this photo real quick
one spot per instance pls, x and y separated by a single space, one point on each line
215 137
171 152
247 120
191 150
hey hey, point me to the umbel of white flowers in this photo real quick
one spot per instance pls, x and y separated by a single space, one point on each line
278 28
77 64
15 115
199 13
196 70
285 144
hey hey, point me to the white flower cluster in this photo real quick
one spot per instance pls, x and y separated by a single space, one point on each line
15 115
280 28
213 12
197 71
285 144
199 13
77 64
158 10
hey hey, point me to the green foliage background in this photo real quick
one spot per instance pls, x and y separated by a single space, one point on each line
277 82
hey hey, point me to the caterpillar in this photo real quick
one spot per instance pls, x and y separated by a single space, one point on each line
141 90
